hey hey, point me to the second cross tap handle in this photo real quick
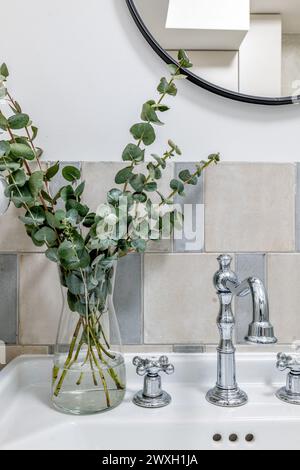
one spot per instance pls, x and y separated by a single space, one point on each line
152 366
285 361
291 392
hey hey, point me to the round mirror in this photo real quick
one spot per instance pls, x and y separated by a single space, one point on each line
246 50
4 201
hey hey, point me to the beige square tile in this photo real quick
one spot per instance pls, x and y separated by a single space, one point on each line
100 178
180 302
12 352
40 300
250 207
284 296
13 236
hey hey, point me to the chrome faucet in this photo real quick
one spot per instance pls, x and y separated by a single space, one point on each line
226 392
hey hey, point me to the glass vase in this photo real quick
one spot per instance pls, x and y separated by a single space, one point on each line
89 374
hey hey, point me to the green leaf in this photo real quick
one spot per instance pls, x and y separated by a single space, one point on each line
161 107
72 217
22 151
7 164
143 132
113 196
80 189
133 153
185 175
3 122
174 147
184 59
149 114
36 183
52 254
173 69
51 220
18 121
18 178
137 182
123 175
160 161
52 171
47 235
4 148
167 88
150 187
140 197
21 195
71 173
178 186
36 216
81 209
75 284
47 197
66 193
4 70
34 132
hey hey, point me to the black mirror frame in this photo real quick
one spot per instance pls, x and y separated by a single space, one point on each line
199 81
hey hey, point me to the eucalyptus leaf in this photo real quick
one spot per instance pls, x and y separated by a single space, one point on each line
149 114
143 132
150 187
4 148
123 175
3 122
36 216
4 70
114 195
47 235
184 59
137 182
18 121
133 153
18 178
178 186
52 254
52 171
71 173
22 151
36 183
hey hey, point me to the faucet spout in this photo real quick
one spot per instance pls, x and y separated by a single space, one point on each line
260 330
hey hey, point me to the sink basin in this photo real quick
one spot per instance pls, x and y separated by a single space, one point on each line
28 420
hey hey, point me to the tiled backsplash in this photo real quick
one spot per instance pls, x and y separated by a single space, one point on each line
165 299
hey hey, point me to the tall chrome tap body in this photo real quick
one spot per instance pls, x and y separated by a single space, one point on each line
227 393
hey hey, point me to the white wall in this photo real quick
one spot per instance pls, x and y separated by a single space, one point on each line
82 70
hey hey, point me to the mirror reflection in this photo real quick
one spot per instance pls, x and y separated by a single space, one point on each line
250 47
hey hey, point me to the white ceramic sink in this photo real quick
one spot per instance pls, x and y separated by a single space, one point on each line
29 422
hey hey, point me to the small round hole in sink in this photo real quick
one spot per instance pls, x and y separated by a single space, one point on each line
249 438
217 438
233 438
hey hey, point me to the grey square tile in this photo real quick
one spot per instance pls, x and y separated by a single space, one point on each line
191 238
180 302
284 296
40 302
8 298
128 298
247 265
